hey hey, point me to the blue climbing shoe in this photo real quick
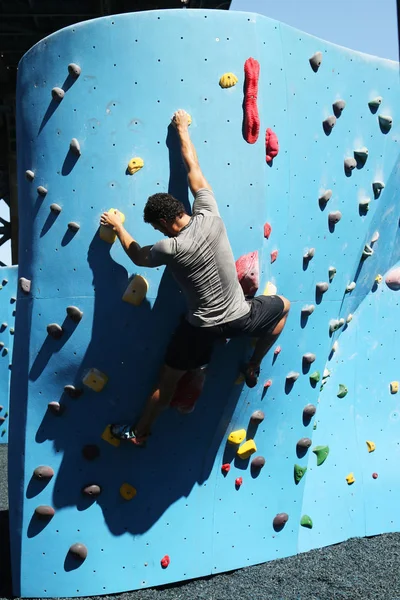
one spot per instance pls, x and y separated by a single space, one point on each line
122 431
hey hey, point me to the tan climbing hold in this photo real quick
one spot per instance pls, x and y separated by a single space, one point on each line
95 380
270 289
127 491
394 387
107 436
237 437
247 449
107 233
371 446
350 478
228 80
135 164
136 291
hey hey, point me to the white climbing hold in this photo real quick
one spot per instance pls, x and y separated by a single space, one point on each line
42 191
364 204
334 217
351 286
74 146
349 318
338 107
341 322
375 237
73 226
74 70
385 123
377 187
329 123
350 163
309 254
55 208
309 358
322 287
334 325
57 94
308 309
292 376
368 251
315 61
325 197
327 372
375 102
361 155
332 273
30 175
335 346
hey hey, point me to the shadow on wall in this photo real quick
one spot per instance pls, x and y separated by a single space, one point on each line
126 344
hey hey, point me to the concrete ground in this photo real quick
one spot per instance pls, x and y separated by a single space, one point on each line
361 568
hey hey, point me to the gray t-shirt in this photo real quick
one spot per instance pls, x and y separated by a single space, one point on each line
201 260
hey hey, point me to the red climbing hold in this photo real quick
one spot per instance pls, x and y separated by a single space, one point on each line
271 145
251 121
226 468
267 230
165 561
274 256
375 475
238 481
248 273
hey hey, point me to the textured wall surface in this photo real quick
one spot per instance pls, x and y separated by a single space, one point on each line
135 71
8 293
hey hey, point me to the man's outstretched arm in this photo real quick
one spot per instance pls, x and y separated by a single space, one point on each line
196 179
140 255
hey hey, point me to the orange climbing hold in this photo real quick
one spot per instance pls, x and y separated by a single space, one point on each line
248 273
271 145
251 121
267 230
274 256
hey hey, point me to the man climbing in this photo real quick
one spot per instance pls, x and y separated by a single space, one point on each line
198 253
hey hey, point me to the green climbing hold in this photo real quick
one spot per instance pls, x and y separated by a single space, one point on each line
306 521
342 391
315 377
315 426
299 472
321 453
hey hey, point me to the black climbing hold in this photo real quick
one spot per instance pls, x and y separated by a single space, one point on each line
43 472
30 175
257 417
75 147
328 124
91 490
57 94
304 442
338 107
90 451
74 313
44 512
55 208
74 70
72 391
56 408
79 551
258 462
280 519
55 330
25 285
73 226
309 410
315 61
42 191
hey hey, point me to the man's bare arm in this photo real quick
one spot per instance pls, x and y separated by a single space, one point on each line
140 255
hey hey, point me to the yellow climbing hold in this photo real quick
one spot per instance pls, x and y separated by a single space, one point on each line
136 291
378 279
371 446
394 387
95 380
107 436
350 478
237 437
135 164
127 491
270 289
228 80
247 449
106 233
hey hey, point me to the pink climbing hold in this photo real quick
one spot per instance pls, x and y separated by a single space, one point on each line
375 475
393 279
248 273
165 561
271 145
274 256
277 350
238 481
267 230
267 384
251 122
226 468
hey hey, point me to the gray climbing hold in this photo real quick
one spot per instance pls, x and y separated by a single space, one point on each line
350 163
55 330
57 94
338 107
79 551
91 490
309 254
257 417
377 188
385 123
315 61
280 519
73 226
332 273
55 208
72 391
364 205
56 408
309 410
325 197
258 462
292 376
375 237
74 70
42 191
44 512
30 175
322 287
351 286
304 443
309 358
308 309
334 217
43 472
25 285
75 147
74 313
329 123
368 251
375 103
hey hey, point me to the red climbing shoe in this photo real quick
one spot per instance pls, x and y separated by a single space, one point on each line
251 375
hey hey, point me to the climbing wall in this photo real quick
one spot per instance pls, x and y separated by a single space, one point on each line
299 140
8 293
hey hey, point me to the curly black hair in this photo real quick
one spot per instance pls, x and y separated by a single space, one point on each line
162 206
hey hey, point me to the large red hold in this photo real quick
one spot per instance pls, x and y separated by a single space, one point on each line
271 145
165 561
251 120
248 273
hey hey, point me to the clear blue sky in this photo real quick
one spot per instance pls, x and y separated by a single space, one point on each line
366 25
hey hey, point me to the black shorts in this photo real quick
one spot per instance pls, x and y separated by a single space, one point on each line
191 347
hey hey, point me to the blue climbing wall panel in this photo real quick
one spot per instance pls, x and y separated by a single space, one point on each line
136 69
8 293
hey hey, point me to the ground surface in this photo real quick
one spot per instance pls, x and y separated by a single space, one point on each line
367 569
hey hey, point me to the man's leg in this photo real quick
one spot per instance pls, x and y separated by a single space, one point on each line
264 344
